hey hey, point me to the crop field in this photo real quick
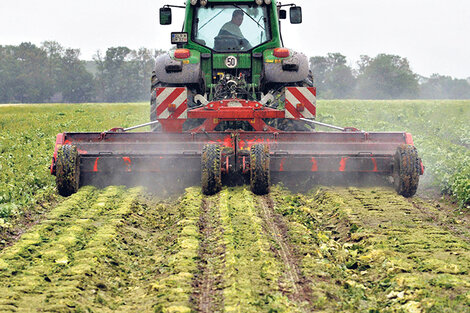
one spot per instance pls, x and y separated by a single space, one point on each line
331 249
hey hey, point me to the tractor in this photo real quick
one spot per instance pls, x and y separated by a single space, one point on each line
229 105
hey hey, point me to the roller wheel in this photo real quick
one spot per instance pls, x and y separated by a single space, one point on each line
211 173
67 170
259 169
407 168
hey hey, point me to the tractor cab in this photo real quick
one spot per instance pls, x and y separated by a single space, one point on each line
231 28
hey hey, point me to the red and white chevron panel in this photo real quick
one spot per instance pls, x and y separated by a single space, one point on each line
300 102
172 103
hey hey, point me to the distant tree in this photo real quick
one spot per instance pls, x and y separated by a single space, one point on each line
54 52
444 87
24 74
332 76
100 85
76 83
386 77
124 74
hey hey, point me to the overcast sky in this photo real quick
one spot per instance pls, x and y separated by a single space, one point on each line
433 34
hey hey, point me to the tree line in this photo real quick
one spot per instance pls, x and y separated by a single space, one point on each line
53 73
383 77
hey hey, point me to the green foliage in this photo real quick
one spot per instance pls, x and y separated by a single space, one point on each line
27 140
383 77
24 74
460 186
332 77
445 87
386 77
440 130
52 73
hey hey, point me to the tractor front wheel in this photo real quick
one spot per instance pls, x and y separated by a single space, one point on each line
407 168
211 173
259 169
67 170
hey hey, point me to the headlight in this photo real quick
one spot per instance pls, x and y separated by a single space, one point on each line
193 2
268 2
259 2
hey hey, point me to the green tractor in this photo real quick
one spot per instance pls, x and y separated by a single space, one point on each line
232 50
231 105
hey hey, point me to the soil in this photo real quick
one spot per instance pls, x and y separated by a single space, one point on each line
208 284
297 286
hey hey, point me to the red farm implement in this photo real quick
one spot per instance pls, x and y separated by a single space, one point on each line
215 156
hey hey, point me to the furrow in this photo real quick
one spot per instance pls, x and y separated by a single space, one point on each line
297 286
208 284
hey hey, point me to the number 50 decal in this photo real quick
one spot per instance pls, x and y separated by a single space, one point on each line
231 61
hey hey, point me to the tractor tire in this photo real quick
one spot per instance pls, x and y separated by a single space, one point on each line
406 171
211 172
67 170
309 81
259 169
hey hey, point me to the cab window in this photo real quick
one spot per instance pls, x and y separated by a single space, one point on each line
231 27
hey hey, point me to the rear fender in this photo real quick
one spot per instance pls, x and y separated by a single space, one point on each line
190 73
274 72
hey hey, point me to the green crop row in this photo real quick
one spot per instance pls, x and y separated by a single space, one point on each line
56 259
374 251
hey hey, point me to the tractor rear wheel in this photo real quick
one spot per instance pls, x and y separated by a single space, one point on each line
259 169
407 168
211 173
67 170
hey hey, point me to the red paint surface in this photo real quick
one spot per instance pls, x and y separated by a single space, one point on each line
314 165
374 161
128 163
409 139
95 168
342 164
281 167
308 105
172 97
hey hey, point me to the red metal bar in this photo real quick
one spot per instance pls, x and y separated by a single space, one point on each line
235 110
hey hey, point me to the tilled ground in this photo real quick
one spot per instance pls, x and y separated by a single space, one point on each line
333 250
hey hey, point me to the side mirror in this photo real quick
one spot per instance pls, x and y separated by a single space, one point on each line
282 14
165 16
296 15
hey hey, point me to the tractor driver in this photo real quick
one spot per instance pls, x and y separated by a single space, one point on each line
232 28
